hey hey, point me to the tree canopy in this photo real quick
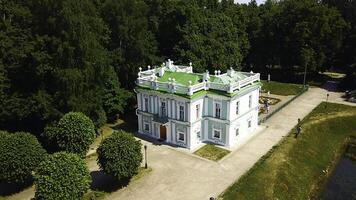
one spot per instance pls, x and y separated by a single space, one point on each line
62 176
83 56
73 133
120 155
20 154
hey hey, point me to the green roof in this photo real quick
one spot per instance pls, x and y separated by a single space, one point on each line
181 77
226 79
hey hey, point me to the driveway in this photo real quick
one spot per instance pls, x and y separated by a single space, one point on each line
179 175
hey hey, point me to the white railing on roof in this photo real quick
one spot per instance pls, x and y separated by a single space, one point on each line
148 79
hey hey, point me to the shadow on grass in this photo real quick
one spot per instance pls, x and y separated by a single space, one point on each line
7 189
106 183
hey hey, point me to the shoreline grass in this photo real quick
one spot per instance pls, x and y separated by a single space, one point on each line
295 168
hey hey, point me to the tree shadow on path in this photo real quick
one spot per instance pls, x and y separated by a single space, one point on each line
7 189
106 183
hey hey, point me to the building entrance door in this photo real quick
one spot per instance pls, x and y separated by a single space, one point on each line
162 132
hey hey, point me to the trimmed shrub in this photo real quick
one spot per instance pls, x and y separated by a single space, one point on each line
20 154
73 133
120 155
62 176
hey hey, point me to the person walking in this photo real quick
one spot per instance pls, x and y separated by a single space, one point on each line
299 129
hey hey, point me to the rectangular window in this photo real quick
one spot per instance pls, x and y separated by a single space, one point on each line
237 131
163 108
181 113
198 134
146 127
197 110
217 110
249 123
250 101
237 107
216 134
181 136
146 104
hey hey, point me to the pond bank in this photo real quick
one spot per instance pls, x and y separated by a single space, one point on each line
341 183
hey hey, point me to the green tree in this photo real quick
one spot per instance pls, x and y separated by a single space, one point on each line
120 155
73 133
62 176
131 44
114 99
209 39
20 154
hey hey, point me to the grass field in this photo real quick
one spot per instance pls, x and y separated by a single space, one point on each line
296 168
281 88
211 152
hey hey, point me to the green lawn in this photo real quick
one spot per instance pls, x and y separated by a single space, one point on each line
211 152
294 168
281 88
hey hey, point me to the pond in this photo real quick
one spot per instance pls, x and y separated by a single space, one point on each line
342 182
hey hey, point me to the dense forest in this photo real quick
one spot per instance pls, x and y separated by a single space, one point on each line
58 56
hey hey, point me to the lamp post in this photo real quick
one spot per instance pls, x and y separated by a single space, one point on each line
327 97
145 147
305 69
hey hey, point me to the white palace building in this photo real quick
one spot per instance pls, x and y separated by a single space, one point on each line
186 109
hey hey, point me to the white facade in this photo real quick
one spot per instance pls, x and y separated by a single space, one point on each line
188 121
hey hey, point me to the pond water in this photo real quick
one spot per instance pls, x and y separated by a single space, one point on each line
342 182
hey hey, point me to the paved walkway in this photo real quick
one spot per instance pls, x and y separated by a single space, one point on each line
180 175
177 175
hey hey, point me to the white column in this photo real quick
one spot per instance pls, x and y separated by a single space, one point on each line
206 106
169 132
157 104
139 101
168 104
159 107
187 109
188 136
227 132
228 110
151 104
139 119
173 108
206 130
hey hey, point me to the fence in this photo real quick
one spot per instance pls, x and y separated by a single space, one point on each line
284 105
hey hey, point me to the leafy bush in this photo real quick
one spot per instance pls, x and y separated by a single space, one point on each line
20 154
120 155
73 133
62 176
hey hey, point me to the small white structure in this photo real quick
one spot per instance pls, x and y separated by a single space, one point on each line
186 108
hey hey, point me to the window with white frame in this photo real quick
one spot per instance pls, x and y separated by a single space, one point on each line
198 133
163 108
146 127
250 101
237 107
197 110
181 137
216 133
249 123
181 112
237 131
217 110
146 104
